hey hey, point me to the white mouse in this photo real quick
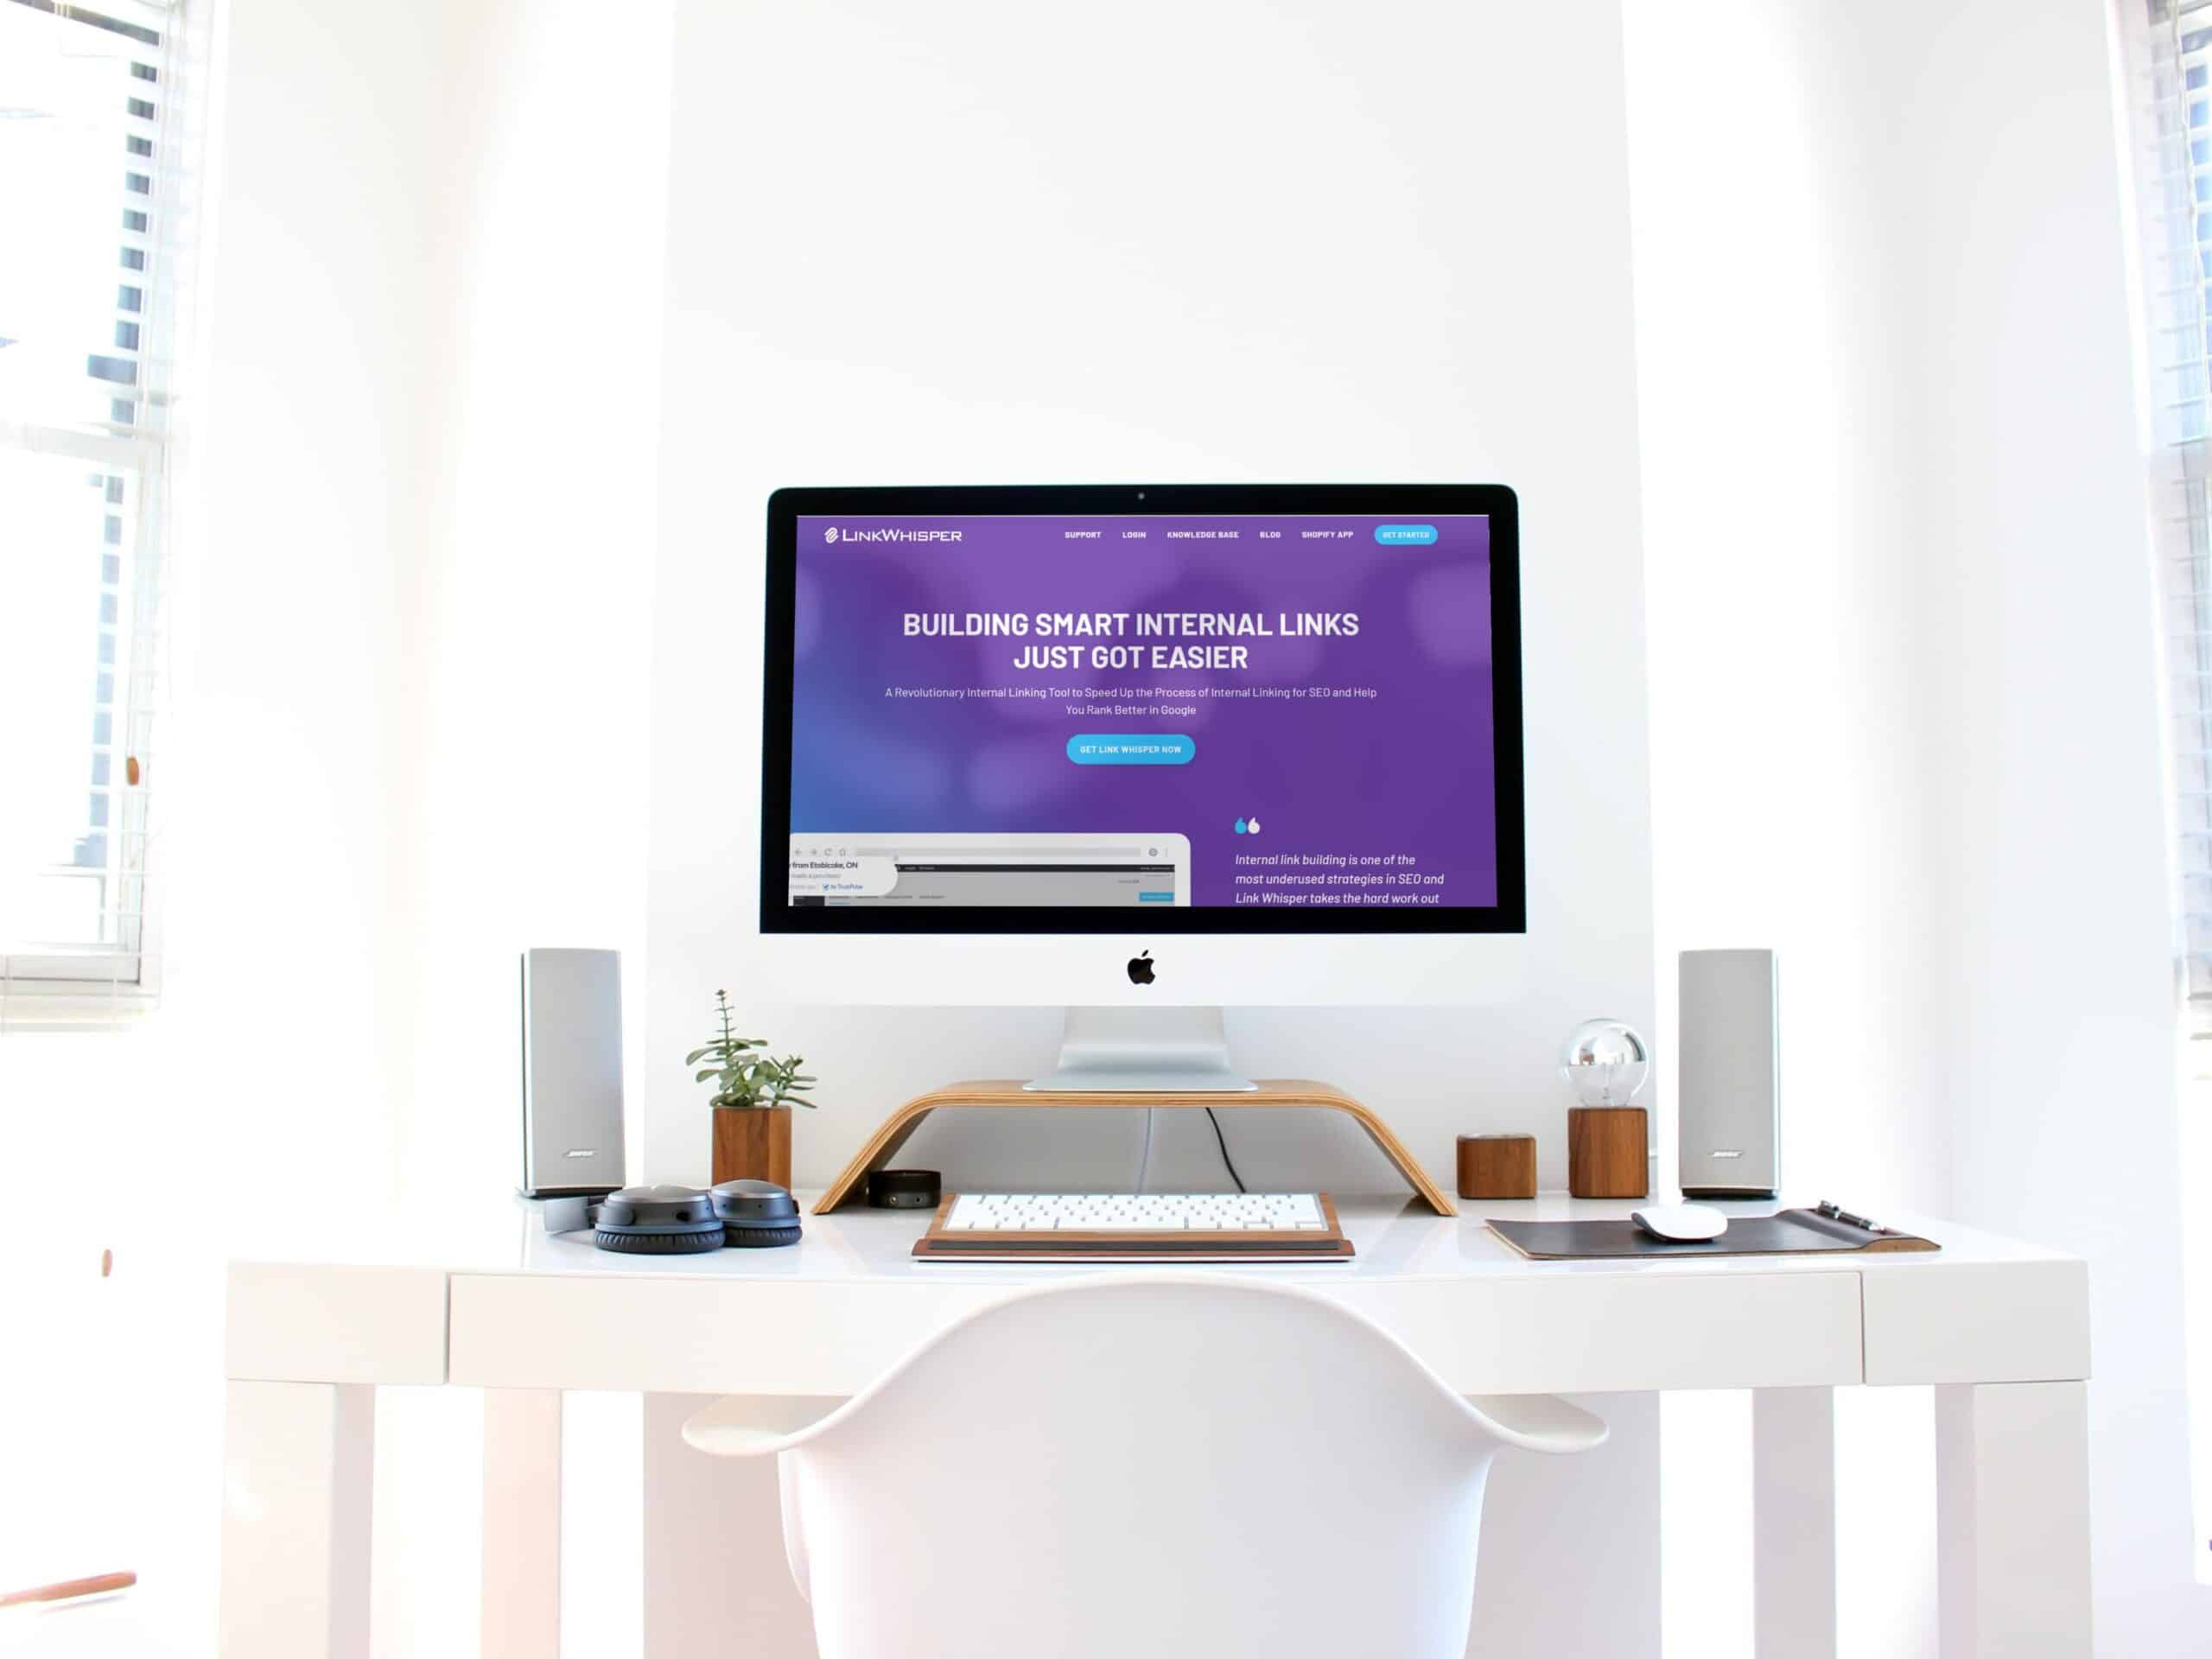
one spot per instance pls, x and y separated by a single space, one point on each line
1680 1223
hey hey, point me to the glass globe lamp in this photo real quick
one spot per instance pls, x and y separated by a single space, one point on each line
1606 1063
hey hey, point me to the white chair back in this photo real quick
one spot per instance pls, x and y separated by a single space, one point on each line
1139 1466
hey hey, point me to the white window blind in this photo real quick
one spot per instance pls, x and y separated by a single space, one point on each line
2169 63
2172 95
91 135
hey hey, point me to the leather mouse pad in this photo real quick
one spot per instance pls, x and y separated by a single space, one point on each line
1787 1232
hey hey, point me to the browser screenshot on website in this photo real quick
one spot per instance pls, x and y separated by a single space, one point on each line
1285 711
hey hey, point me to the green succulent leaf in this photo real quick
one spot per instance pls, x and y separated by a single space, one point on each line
743 1076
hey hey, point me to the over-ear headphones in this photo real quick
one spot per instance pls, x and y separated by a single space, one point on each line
756 1215
664 1220
671 1220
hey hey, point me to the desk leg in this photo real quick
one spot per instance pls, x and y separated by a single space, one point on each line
522 1523
297 1458
1793 1522
2013 1520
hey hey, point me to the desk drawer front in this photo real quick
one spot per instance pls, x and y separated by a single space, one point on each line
1976 1322
693 1336
318 1323
1566 1333
1599 1332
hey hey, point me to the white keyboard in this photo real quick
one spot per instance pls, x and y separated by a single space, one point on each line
1135 1213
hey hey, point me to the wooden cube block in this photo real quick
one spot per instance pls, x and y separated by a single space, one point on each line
1498 1165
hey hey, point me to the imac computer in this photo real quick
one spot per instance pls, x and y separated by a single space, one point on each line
1142 751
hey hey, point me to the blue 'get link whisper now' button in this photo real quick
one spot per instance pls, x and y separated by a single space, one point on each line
1406 535
1129 749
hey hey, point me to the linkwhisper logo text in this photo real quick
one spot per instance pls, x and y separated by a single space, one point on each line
833 534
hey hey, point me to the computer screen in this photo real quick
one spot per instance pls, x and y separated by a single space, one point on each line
1166 710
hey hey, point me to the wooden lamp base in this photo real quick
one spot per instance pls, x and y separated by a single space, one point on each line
1607 1155
883 1146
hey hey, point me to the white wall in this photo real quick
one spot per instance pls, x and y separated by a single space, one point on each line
1239 241
1903 676
1791 605
299 921
994 242
415 603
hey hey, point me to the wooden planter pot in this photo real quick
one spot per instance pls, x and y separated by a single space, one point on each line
753 1143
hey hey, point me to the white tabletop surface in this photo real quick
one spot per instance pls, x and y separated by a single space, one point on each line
1394 1236
488 1299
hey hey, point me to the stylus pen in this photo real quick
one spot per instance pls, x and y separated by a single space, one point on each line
1836 1212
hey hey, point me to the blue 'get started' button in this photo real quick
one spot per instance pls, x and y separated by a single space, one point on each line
1406 535
1130 749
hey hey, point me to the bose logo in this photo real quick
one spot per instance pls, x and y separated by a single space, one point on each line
833 534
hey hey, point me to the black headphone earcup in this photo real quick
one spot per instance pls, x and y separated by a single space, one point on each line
628 1244
758 1215
757 1238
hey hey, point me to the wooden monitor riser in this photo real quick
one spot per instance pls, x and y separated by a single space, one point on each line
1274 1093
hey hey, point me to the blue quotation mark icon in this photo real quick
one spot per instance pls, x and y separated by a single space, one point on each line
1248 826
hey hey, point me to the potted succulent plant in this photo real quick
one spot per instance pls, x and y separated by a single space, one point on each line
751 1103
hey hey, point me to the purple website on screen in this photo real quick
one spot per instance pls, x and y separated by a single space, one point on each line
1292 712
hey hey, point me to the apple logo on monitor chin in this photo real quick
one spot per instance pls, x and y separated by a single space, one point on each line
1141 969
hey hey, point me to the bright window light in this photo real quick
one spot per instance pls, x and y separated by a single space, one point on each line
88 286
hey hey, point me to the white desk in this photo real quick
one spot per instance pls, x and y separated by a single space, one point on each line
2001 1329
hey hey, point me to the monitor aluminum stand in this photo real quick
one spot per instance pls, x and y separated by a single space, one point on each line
1167 1050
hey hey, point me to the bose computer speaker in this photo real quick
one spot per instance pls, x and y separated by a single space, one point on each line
571 1071
1729 1097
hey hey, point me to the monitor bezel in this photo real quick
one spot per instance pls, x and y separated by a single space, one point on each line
1495 501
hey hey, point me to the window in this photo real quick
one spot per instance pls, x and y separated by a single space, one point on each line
2170 89
90 130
